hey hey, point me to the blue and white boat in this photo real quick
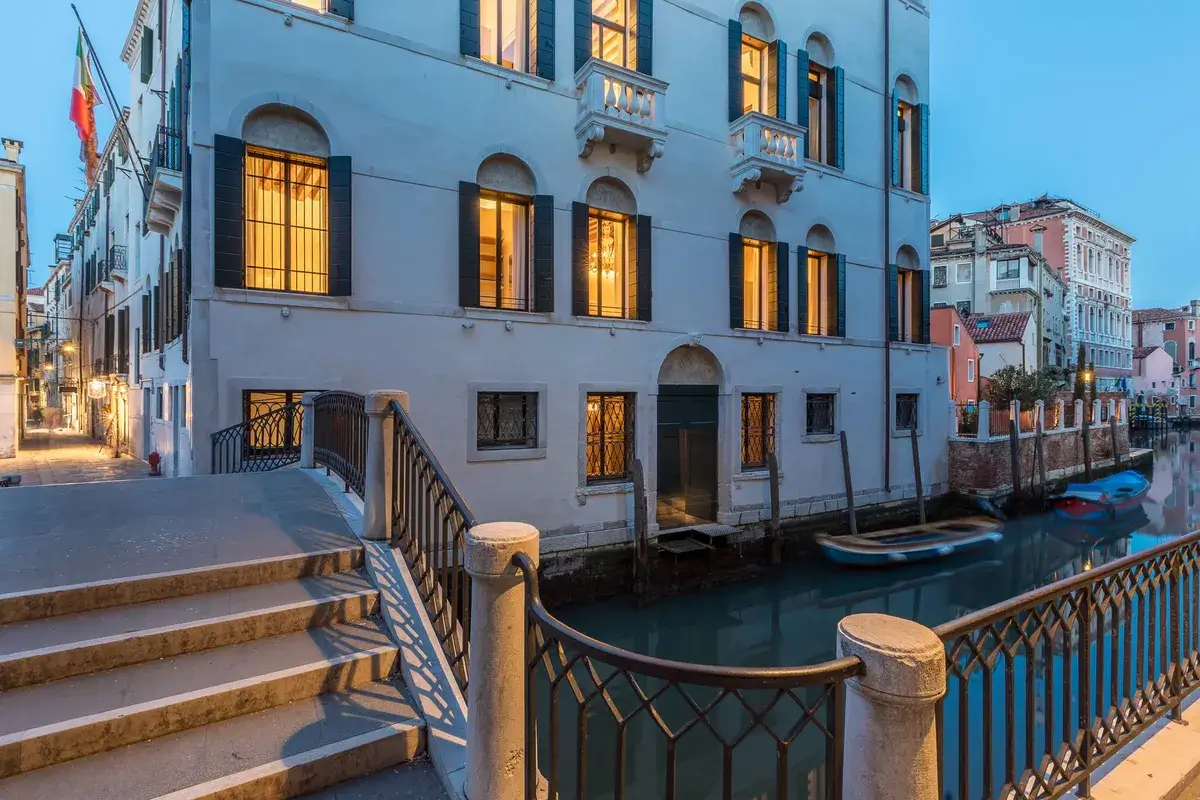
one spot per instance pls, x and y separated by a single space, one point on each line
1104 499
914 543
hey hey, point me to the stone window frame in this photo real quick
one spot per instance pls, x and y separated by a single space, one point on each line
922 411
735 435
474 454
821 438
638 392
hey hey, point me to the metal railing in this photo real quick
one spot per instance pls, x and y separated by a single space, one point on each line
607 722
1046 687
116 258
340 437
167 152
259 444
429 526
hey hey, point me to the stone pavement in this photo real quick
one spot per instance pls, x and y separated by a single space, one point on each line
50 457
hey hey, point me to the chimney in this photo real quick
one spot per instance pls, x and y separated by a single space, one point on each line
1014 213
1194 306
12 149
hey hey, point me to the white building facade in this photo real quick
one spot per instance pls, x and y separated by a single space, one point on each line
576 237
14 264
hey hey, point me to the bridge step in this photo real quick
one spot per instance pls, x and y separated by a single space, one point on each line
60 647
54 722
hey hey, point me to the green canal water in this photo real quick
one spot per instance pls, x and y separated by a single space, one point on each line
790 619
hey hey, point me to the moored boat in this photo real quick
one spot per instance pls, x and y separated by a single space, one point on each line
1103 499
913 543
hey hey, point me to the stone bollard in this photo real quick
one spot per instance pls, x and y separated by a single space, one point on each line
496 683
1125 412
1060 409
377 482
891 745
1095 419
308 431
1040 410
1112 408
1078 413
985 420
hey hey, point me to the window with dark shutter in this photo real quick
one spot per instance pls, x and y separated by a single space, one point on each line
341 238
736 288
543 253
645 282
229 260
147 59
782 268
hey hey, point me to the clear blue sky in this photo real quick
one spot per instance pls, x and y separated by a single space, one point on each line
1028 97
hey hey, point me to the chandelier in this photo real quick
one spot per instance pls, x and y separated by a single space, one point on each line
604 258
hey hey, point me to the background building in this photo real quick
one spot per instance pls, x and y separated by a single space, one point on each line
14 264
952 332
1153 373
1174 330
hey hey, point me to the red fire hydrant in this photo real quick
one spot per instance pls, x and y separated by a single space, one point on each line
153 459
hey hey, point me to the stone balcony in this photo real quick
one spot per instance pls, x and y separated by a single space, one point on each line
623 108
767 150
164 194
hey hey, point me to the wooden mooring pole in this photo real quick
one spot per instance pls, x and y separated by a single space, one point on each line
641 541
916 451
1040 445
1112 429
849 486
1014 446
1087 444
776 533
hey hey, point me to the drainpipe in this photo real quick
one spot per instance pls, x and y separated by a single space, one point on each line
888 145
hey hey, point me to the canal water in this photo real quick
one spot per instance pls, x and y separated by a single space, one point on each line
790 619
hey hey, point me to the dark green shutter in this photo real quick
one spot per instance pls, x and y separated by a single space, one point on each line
543 254
841 295
583 32
343 8
147 64
782 262
645 36
895 139
229 232
146 322
802 91
777 79
541 37
923 138
736 303
579 259
837 141
893 276
468 244
925 275
645 281
158 318
735 70
341 227
802 287
468 27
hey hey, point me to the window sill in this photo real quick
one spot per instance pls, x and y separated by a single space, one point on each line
612 322
288 7
909 194
820 438
272 298
507 314
826 338
906 434
524 78
515 454
754 475
594 489
822 167
755 333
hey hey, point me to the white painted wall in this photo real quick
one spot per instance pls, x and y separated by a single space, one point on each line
13 261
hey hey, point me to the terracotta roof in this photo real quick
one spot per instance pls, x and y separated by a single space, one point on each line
1141 315
1009 327
1142 352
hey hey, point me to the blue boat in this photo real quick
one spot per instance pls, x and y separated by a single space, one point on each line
1104 499
914 543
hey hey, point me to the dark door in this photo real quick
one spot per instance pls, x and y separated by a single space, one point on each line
687 455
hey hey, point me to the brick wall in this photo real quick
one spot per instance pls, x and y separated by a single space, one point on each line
987 466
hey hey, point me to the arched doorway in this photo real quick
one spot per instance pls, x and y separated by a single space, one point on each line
689 383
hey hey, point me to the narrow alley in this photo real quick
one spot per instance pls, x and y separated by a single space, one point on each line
51 457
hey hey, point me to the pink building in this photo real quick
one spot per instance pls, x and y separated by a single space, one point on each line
947 328
1173 330
1152 372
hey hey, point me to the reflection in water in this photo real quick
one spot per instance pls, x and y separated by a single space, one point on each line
790 618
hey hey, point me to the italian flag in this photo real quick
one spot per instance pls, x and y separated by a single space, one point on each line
83 104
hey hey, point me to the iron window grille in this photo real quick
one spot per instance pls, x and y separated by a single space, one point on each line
758 429
610 437
964 308
506 420
819 414
906 412
287 222
505 258
939 276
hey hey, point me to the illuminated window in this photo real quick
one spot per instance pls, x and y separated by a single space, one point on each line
820 114
754 84
287 222
822 294
503 32
909 295
611 39
315 5
504 251
612 271
758 285
758 429
610 437
906 145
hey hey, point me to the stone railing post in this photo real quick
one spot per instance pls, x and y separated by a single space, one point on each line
308 430
1125 411
1014 413
1095 420
1079 413
377 482
1112 408
496 683
1040 410
1060 410
985 420
891 745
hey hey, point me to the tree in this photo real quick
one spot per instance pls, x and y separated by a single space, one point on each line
1092 382
1016 383
1080 362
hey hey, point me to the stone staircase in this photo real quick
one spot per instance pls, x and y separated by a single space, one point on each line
260 679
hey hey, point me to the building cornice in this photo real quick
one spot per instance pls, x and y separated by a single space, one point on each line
134 37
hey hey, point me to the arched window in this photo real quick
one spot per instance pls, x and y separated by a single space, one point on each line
823 284
763 85
822 111
910 309
910 138
760 272
614 280
1172 349
506 233
286 199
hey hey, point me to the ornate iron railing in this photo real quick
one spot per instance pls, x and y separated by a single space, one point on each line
607 722
1044 688
429 524
340 436
260 444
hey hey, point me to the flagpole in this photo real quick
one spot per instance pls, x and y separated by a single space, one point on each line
122 128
